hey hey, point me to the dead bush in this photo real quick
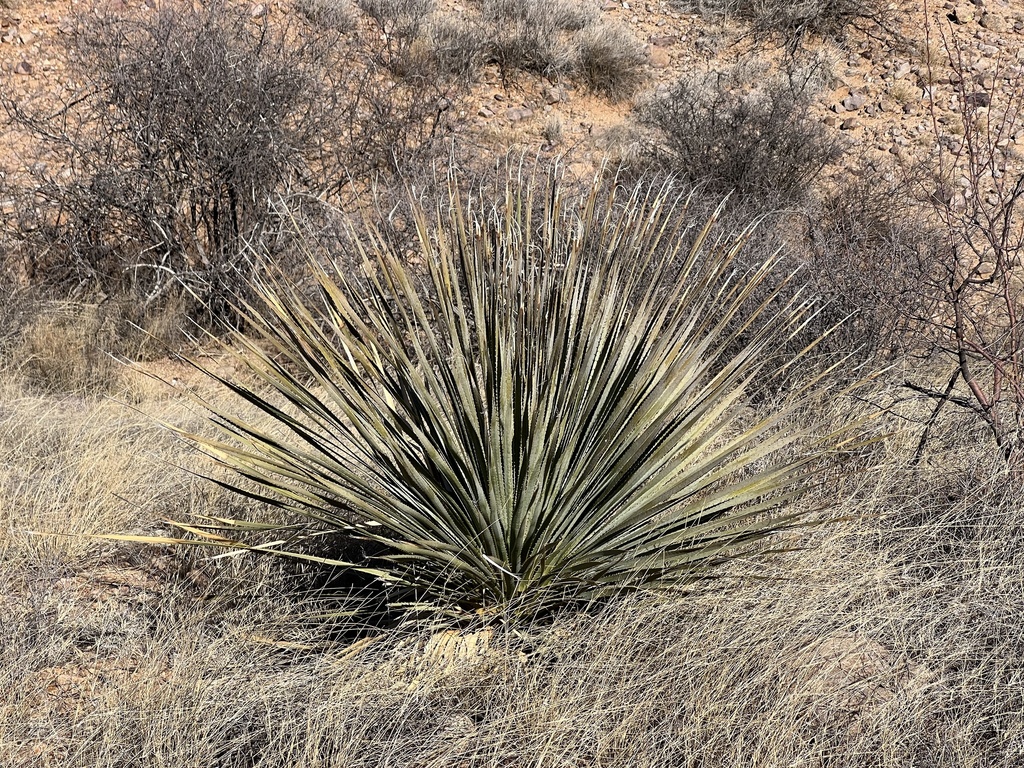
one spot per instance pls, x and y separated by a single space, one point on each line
166 159
973 286
528 36
562 38
741 131
401 24
865 249
458 48
791 20
338 15
161 171
561 15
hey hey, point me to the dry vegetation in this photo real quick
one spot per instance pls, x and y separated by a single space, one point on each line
890 638
889 635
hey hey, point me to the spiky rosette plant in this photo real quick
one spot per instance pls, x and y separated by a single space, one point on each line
551 408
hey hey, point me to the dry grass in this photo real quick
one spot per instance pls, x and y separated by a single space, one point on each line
72 347
338 15
890 639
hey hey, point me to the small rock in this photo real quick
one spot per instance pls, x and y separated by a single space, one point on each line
23 68
993 23
831 122
963 14
902 71
552 94
258 11
519 114
854 101
660 58
979 99
485 112
850 123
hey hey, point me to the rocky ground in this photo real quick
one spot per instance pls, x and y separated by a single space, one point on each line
887 85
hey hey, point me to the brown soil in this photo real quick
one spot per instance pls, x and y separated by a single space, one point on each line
885 84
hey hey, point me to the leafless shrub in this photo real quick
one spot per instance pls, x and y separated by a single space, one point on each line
404 17
972 290
401 24
527 35
864 247
338 15
739 133
793 19
167 157
562 38
458 48
561 15
161 170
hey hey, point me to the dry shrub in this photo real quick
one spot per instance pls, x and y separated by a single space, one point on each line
610 60
554 15
338 15
210 116
970 191
403 18
865 253
527 35
401 24
457 47
205 115
61 350
742 131
563 38
791 20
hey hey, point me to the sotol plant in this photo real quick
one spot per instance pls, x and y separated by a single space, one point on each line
549 410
